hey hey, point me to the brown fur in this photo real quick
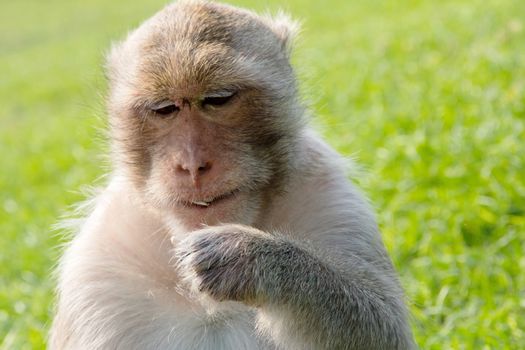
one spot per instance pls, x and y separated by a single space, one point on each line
203 47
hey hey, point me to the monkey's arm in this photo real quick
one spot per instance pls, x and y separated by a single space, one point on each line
304 299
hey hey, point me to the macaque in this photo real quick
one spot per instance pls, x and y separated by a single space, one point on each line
226 223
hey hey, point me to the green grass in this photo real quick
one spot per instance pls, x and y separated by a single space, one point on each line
428 96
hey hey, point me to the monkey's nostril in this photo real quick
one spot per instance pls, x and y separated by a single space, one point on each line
194 169
182 168
204 168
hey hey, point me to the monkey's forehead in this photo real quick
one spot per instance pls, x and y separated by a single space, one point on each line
200 43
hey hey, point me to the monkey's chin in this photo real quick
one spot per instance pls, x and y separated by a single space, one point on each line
232 208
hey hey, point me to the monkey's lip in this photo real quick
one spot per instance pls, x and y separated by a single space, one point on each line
207 203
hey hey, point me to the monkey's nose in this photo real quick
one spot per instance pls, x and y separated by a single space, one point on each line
196 170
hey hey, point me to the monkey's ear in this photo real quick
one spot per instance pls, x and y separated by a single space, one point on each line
285 28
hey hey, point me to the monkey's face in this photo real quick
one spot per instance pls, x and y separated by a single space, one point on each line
203 112
203 161
206 157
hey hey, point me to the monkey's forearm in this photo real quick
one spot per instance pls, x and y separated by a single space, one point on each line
305 301
357 310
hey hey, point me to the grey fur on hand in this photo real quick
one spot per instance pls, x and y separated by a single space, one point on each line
221 262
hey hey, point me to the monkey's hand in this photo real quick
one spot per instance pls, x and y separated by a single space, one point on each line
221 261
296 288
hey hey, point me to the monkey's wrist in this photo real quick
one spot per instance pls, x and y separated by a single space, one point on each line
281 265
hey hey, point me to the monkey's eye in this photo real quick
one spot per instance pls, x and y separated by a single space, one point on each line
165 109
218 99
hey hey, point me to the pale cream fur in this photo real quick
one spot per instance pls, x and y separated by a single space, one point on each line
118 275
127 279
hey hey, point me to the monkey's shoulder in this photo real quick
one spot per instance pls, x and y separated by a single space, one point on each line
320 196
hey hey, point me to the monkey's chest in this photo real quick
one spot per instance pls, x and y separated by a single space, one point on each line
226 326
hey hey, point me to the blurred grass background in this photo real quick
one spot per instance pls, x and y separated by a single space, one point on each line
429 96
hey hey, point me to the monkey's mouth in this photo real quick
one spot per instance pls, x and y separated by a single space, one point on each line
204 204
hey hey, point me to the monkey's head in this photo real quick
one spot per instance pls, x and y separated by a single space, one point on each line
204 114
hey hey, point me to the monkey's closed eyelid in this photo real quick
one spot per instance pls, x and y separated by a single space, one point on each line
221 93
165 108
218 99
